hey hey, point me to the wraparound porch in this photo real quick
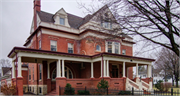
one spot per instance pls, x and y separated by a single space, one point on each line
103 60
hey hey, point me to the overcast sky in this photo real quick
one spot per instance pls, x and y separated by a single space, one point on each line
16 18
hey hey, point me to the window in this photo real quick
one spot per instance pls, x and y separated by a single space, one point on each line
98 48
113 47
40 72
29 74
116 44
39 44
106 24
70 48
53 45
68 73
124 52
62 21
109 47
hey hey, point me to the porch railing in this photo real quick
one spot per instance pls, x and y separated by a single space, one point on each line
130 84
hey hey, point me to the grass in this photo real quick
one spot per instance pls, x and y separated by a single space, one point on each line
174 89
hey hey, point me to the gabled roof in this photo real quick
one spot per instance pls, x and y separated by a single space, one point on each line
5 70
74 21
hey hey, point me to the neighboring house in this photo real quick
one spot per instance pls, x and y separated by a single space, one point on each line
6 75
63 48
156 74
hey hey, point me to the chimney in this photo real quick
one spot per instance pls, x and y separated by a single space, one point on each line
37 8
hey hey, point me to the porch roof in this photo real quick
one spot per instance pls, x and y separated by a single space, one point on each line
29 50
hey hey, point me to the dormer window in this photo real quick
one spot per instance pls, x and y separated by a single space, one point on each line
62 21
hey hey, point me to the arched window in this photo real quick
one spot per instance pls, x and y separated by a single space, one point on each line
98 48
68 73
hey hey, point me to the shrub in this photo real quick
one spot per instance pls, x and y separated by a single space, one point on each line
83 92
103 84
124 93
166 86
159 86
8 89
69 90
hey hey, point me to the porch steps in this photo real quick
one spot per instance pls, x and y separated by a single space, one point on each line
52 93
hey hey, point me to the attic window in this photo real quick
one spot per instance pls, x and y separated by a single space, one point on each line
106 24
62 21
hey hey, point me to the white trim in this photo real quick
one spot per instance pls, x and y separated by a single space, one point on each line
25 69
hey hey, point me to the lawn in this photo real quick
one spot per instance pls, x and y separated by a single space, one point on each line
174 89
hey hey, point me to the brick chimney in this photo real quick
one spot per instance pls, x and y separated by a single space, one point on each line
37 8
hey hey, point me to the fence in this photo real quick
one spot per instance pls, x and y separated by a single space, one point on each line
107 91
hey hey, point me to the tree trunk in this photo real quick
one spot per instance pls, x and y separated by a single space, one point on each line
177 83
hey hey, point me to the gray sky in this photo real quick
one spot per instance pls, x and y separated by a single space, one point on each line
16 17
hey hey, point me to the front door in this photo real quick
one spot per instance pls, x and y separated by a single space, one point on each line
115 71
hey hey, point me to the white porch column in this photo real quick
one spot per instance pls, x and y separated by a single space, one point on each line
63 69
13 70
92 74
107 63
19 67
58 68
136 69
48 70
149 71
104 68
124 69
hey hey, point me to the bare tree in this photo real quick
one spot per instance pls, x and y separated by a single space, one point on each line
154 20
5 63
169 62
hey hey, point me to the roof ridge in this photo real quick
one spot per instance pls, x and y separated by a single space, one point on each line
46 12
75 15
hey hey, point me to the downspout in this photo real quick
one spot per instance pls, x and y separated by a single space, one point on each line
102 66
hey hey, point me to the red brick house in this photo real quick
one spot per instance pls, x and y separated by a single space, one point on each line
63 48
